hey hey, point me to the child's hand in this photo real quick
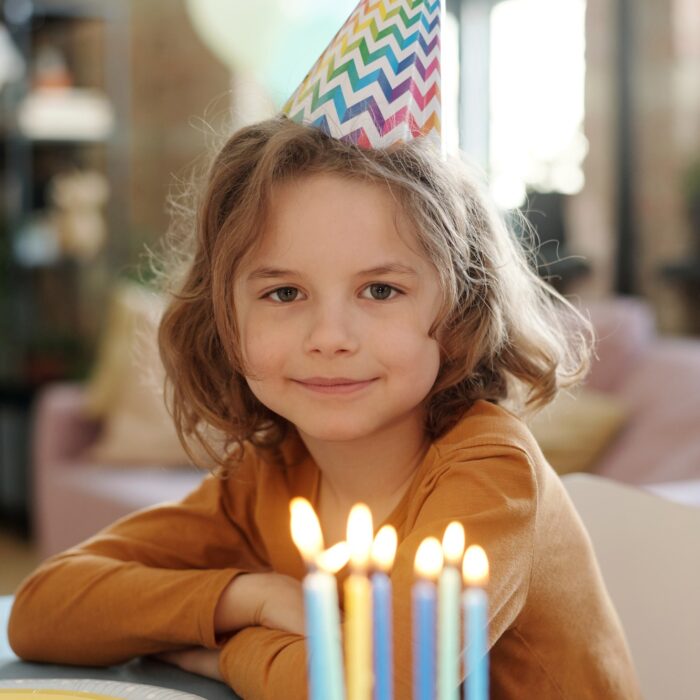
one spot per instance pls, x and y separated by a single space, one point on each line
204 662
282 604
268 599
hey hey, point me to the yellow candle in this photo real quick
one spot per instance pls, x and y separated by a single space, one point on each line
358 605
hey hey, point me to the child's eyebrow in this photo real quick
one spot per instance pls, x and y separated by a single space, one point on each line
384 269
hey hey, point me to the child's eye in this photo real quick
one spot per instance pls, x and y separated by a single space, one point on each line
381 291
285 294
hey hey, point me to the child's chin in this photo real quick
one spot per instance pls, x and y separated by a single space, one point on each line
337 433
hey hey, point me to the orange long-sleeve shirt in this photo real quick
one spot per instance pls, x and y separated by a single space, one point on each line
151 581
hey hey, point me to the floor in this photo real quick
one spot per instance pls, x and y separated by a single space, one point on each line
17 559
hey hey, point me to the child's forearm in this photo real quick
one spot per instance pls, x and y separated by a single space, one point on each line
268 599
90 610
240 603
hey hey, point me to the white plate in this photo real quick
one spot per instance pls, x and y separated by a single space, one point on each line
94 689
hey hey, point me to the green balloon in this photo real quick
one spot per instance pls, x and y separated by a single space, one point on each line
277 42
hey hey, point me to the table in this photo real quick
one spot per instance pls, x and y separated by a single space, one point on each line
147 671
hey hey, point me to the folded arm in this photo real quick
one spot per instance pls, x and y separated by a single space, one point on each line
151 582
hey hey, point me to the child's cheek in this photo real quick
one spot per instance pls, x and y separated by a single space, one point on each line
262 351
406 345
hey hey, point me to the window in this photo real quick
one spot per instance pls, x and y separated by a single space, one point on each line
523 94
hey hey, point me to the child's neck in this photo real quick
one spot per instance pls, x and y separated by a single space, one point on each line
375 470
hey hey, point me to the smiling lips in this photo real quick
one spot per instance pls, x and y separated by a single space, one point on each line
334 385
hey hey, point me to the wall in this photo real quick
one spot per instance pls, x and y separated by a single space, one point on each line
591 214
666 135
176 82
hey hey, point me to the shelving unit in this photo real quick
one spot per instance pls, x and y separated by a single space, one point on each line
68 113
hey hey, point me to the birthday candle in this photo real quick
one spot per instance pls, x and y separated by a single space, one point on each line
383 552
449 590
325 663
358 605
475 569
428 564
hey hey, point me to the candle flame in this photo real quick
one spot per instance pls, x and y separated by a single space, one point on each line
453 543
360 533
306 529
334 558
475 568
384 548
428 562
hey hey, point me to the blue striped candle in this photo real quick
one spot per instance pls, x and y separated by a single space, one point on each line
475 601
323 636
427 565
383 652
383 553
321 610
424 603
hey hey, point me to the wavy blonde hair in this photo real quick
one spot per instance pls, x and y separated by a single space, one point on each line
505 335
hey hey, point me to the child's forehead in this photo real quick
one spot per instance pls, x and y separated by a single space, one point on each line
317 189
327 207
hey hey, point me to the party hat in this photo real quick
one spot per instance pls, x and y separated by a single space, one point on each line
378 82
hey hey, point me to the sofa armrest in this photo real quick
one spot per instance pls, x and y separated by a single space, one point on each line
61 432
61 429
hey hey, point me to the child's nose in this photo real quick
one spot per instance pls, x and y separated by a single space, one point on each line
331 330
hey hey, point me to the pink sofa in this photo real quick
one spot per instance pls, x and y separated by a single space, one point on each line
73 498
658 378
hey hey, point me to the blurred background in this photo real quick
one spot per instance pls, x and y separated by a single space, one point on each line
585 115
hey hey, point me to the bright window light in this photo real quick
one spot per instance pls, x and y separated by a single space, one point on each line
450 83
537 98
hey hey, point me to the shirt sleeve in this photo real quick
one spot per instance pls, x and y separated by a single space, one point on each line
265 664
491 490
148 583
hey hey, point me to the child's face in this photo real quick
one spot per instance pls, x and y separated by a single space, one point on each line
313 311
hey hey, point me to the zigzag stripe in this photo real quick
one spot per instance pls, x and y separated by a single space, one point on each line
385 52
346 112
403 40
377 77
398 120
370 54
363 139
369 57
403 115
400 13
379 5
403 43
378 81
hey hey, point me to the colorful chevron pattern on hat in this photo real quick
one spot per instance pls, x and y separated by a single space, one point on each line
378 82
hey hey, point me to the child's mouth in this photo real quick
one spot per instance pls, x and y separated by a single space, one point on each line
334 386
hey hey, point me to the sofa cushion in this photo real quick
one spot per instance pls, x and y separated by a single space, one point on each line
126 389
625 330
661 441
576 428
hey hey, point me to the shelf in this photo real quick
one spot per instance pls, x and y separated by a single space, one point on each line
65 114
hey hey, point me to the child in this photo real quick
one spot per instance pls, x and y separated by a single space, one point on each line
358 325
